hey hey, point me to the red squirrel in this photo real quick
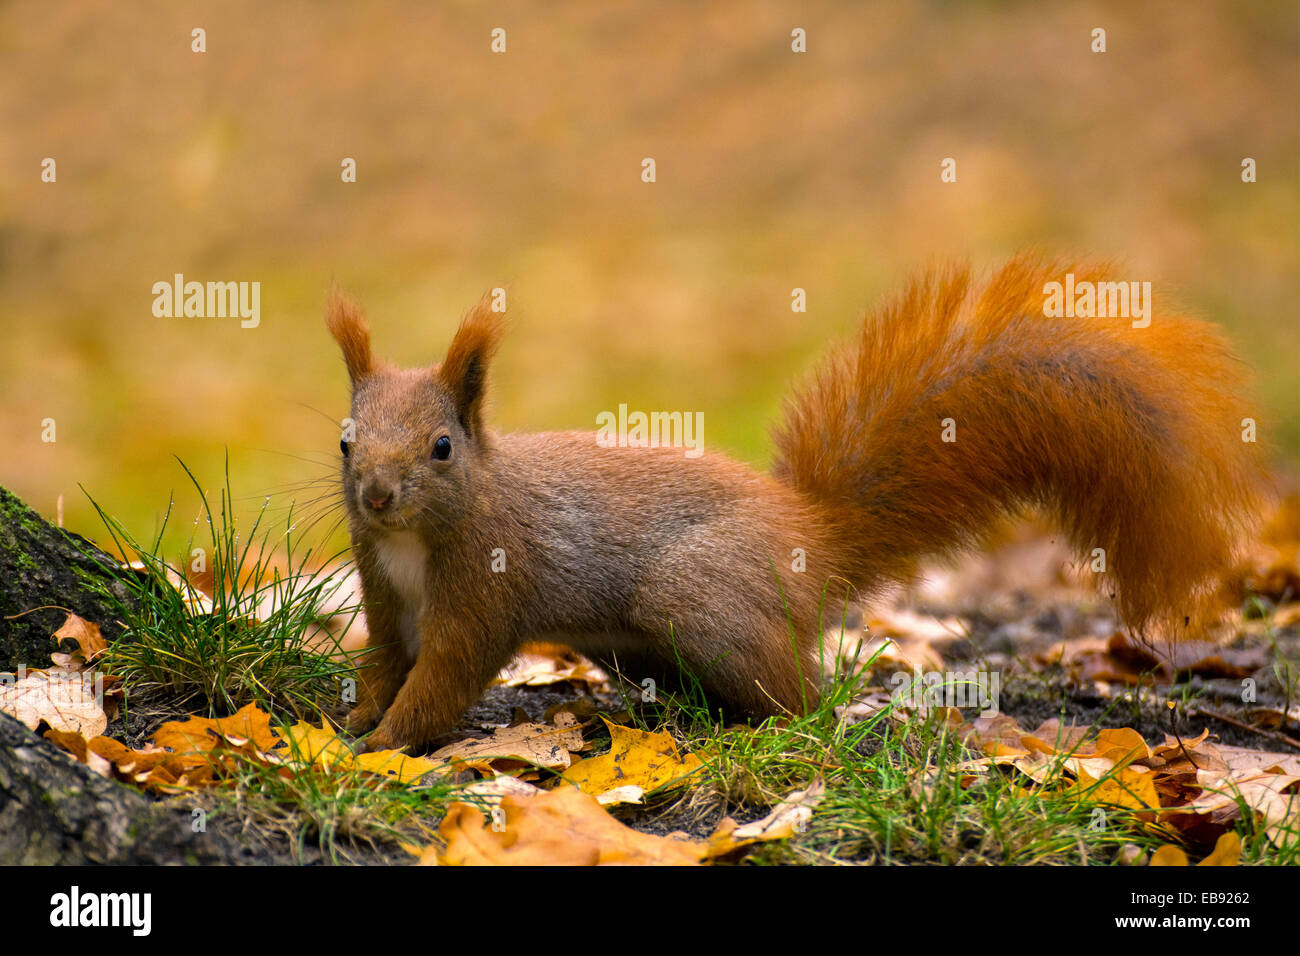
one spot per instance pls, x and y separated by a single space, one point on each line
956 403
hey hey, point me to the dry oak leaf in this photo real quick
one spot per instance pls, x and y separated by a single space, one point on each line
1273 796
520 745
63 697
153 768
561 827
1226 852
539 664
82 749
87 636
787 818
637 758
198 735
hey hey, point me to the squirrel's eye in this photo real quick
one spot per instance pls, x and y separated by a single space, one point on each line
343 446
442 448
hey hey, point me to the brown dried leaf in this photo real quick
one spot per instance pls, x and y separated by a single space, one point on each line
561 827
64 698
523 744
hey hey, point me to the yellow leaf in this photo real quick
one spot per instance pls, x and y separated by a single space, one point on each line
1122 746
1169 855
315 745
1226 852
1127 787
395 764
637 758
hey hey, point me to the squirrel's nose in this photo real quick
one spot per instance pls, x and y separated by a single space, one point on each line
378 492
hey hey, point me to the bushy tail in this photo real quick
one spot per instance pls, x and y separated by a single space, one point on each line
1130 438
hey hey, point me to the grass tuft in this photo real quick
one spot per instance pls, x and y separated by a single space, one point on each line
246 642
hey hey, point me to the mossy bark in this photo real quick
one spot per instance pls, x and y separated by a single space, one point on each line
42 566
54 810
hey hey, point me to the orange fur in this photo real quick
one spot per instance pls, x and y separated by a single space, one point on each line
1129 437
348 326
464 370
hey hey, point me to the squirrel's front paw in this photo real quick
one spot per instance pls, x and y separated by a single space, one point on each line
360 719
381 739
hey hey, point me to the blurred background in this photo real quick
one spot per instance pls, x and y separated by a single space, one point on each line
523 169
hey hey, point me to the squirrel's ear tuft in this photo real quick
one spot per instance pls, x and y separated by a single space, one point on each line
464 371
348 326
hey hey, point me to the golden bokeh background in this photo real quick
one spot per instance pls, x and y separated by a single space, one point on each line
523 169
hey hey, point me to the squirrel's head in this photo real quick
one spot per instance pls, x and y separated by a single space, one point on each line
417 437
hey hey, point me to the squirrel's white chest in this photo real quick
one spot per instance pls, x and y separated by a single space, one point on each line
404 560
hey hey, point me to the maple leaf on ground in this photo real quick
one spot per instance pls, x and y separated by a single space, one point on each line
636 758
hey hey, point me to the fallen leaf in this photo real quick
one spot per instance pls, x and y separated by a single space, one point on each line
495 789
787 818
1273 796
527 744
1169 855
538 665
396 765
86 635
1226 852
66 699
637 757
199 735
561 827
621 795
321 746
